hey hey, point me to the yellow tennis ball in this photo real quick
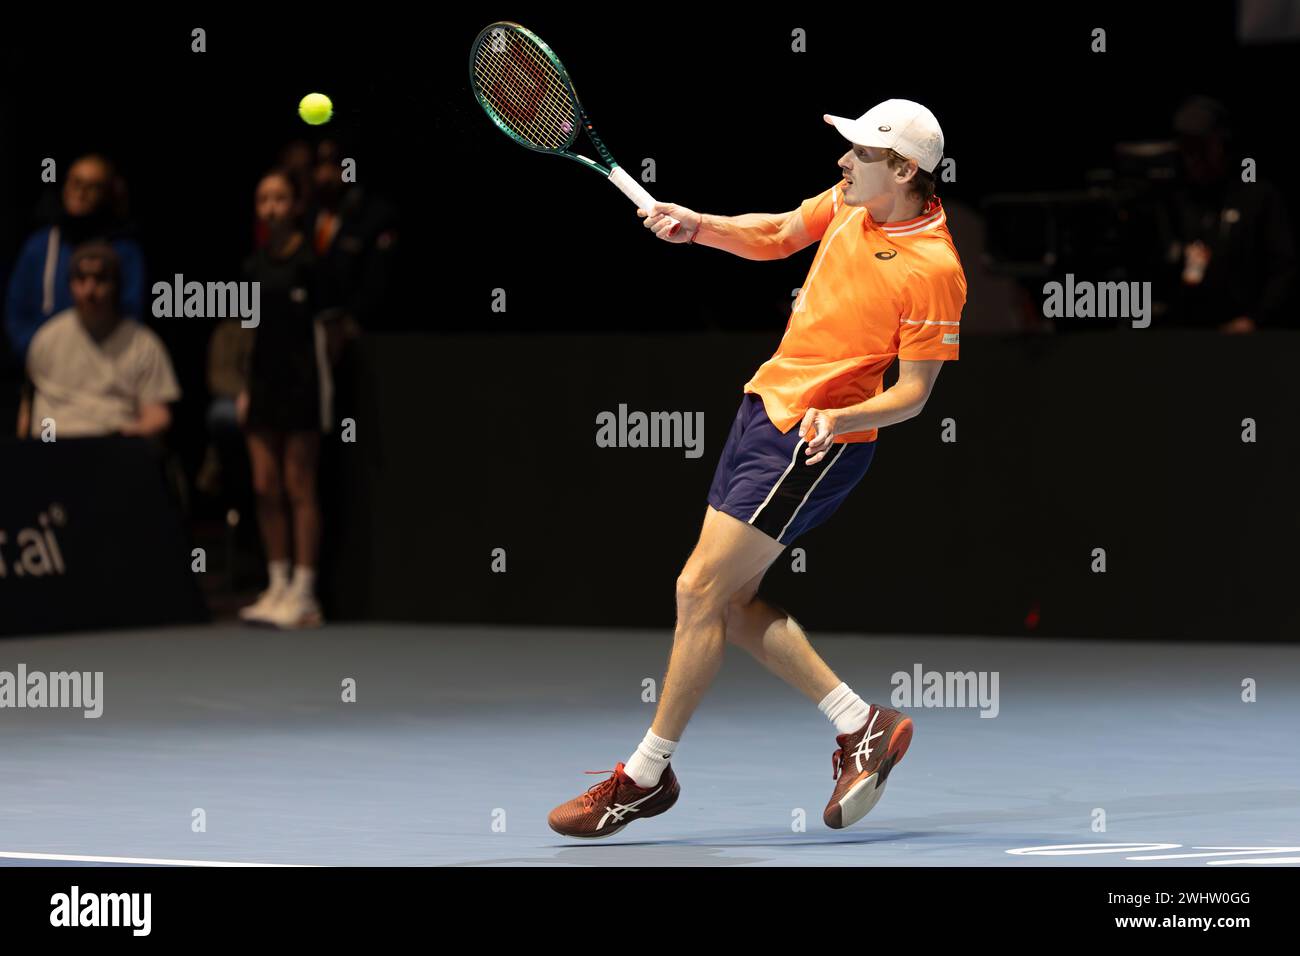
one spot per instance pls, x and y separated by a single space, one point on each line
315 108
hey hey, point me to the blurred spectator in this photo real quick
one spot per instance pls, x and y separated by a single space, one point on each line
94 371
1237 252
355 237
995 304
93 208
297 161
229 351
285 407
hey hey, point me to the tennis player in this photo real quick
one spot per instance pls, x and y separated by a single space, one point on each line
885 283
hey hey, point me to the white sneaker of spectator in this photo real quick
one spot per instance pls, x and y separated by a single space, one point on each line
296 610
261 610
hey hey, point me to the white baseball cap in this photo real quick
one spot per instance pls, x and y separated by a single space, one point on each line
907 128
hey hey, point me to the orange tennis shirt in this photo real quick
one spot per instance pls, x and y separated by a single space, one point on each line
875 291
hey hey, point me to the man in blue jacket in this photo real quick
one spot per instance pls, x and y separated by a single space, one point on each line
39 286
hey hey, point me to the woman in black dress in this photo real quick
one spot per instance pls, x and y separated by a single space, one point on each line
285 407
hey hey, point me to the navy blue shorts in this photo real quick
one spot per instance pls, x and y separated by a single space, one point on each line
761 478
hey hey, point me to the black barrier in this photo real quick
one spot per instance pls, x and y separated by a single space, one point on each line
1130 442
90 537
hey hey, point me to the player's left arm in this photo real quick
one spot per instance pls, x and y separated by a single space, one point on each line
901 401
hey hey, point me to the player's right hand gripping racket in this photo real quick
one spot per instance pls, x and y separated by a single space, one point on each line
525 90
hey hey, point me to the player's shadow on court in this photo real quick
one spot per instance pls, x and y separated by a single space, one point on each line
695 851
766 838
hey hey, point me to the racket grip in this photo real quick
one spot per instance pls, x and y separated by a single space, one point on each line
634 191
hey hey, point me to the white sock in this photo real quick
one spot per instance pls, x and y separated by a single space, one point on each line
845 709
278 572
646 765
304 580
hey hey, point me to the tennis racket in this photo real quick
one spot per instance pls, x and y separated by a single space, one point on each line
525 90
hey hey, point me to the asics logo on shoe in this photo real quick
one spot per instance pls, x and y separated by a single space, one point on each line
619 810
863 750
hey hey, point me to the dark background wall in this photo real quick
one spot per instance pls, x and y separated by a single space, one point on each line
1126 441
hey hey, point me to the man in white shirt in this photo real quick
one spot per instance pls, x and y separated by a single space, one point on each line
95 371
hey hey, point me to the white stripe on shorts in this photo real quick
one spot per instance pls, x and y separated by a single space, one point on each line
793 458
843 445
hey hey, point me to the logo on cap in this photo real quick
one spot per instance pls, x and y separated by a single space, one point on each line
884 129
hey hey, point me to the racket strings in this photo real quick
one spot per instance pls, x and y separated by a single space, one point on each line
525 92
545 116
511 103
552 101
545 126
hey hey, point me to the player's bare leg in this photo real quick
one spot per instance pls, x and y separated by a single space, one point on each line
728 554
777 642
871 740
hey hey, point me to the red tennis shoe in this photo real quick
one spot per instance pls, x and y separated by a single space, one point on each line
862 763
612 804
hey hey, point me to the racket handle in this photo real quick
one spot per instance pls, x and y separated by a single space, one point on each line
634 191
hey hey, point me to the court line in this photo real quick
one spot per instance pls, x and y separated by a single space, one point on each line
129 860
1261 861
